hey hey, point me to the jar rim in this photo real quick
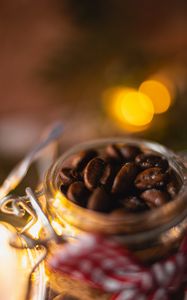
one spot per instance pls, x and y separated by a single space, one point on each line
157 220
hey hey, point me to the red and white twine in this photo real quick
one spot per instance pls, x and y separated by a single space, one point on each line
105 264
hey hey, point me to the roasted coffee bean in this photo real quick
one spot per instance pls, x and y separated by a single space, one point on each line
111 169
124 178
147 160
107 175
93 172
68 176
100 201
114 164
77 193
129 152
150 178
155 198
173 184
113 152
172 188
120 178
63 188
79 161
133 204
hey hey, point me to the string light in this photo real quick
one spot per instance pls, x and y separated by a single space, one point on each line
57 227
34 231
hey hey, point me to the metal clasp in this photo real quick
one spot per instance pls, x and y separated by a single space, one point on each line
27 207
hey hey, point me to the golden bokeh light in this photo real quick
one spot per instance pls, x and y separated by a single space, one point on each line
137 108
116 99
132 110
158 93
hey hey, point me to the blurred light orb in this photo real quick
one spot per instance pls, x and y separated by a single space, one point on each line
158 93
116 102
137 108
131 109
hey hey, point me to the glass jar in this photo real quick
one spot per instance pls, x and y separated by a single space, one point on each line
150 235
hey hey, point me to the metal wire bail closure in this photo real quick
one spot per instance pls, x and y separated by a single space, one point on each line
28 205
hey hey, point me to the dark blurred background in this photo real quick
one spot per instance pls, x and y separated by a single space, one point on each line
58 58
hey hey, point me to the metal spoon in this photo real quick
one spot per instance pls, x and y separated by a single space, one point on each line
20 170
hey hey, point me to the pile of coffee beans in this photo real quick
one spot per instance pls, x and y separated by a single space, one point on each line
118 179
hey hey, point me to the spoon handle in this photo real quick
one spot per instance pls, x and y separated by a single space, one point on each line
20 170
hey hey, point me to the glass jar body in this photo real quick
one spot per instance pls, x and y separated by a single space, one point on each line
150 235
